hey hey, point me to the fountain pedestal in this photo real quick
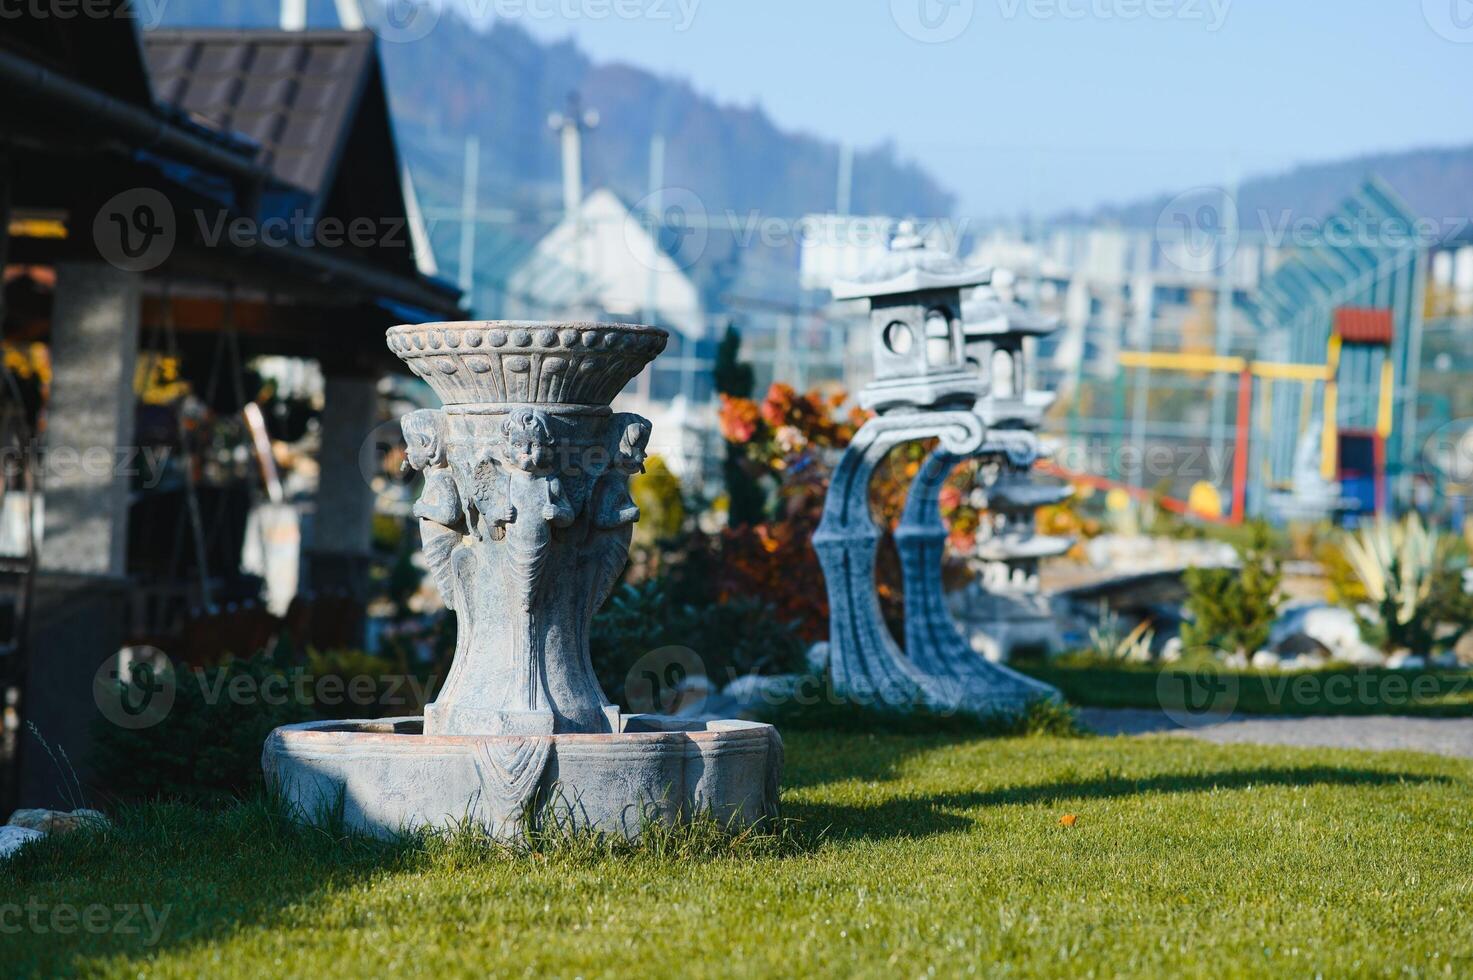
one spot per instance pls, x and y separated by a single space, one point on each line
525 520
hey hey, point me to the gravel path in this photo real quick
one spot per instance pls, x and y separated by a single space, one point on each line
1440 736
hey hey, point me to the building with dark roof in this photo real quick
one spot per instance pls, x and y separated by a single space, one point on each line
204 197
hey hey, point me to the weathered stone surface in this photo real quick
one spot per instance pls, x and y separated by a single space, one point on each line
525 519
389 777
928 385
13 839
57 821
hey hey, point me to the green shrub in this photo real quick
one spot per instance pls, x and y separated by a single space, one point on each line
207 748
1235 608
733 638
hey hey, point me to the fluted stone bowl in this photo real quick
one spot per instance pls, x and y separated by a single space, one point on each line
386 776
526 362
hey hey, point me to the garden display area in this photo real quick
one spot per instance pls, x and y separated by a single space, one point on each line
898 855
778 747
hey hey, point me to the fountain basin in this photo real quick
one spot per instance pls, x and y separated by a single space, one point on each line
389 777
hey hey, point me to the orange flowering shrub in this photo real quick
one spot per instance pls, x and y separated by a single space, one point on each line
790 443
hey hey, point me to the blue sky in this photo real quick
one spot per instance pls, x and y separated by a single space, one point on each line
1048 104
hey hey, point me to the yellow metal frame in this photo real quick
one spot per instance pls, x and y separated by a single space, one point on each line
1273 371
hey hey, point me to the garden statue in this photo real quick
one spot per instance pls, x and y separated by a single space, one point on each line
1002 610
927 386
526 519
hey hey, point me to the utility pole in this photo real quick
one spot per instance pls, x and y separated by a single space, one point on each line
1227 238
294 15
570 124
655 207
470 178
842 201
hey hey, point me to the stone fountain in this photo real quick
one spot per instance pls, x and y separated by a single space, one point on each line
525 519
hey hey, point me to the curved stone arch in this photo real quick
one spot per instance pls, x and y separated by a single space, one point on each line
865 663
934 643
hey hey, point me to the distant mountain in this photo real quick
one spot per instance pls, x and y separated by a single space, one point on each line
1437 183
501 84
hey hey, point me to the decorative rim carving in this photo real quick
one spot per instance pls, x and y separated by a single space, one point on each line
526 362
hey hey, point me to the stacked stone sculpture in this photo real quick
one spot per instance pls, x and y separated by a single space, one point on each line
526 519
1002 611
928 385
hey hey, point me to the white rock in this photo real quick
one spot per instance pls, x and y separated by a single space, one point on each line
1171 650
57 821
13 839
818 658
1403 660
1334 629
1237 661
1305 661
1266 660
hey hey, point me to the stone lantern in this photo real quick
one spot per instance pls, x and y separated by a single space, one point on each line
995 332
917 337
925 388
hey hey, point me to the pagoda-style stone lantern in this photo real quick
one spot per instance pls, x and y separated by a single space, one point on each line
925 387
996 332
918 344
526 519
1002 610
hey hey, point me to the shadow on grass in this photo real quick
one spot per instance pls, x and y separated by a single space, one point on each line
924 816
168 877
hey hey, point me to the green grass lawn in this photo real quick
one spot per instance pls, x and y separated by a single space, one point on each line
910 854
1334 691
